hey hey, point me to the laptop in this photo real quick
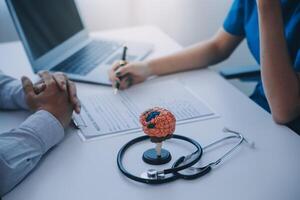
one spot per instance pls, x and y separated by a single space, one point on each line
55 39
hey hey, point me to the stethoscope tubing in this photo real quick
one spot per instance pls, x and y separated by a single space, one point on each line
179 164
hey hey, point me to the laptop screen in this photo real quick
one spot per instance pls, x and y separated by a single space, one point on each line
47 23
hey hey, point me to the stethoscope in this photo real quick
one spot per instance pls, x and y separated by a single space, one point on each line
182 167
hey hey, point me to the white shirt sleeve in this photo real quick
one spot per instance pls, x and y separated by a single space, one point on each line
22 148
11 93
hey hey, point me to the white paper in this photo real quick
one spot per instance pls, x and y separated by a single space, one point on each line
106 113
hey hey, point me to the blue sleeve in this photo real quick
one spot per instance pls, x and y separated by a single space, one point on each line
22 148
234 22
297 62
11 93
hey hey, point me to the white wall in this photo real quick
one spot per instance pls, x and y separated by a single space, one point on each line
106 14
187 21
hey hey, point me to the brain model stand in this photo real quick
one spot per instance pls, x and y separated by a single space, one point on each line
159 125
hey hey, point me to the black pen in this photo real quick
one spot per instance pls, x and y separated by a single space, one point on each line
121 64
124 53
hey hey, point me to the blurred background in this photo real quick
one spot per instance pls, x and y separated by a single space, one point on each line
186 21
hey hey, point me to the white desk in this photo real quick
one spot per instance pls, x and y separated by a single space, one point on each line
76 170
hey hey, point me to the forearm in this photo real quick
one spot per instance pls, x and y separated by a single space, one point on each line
198 56
280 81
22 148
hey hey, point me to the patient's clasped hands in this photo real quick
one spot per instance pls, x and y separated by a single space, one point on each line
54 93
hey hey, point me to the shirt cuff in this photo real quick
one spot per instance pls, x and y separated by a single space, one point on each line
45 127
22 100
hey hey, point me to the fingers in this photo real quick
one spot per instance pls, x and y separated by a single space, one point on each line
117 72
39 82
47 78
126 82
112 75
122 71
64 84
116 65
73 96
124 78
27 86
61 80
38 88
117 84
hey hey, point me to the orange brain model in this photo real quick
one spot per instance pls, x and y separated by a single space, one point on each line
158 123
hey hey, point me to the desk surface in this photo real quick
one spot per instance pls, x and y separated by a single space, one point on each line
87 170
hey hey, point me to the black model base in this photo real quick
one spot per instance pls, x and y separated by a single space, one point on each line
151 157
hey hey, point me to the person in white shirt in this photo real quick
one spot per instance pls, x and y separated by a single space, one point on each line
52 101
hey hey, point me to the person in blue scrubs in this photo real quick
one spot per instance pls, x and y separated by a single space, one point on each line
272 31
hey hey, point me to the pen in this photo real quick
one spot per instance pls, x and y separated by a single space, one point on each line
121 64
75 124
124 53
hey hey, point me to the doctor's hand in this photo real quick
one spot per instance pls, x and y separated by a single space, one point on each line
64 84
125 76
51 99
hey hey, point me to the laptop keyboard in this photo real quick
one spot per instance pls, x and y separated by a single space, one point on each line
87 58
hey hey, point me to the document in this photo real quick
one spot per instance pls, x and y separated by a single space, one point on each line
107 114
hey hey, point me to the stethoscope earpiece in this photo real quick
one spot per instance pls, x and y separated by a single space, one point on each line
250 143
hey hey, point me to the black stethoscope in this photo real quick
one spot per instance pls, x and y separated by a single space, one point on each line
182 167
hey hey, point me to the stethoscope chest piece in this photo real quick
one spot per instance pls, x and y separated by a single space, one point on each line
152 174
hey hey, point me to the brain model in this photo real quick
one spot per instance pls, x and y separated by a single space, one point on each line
158 123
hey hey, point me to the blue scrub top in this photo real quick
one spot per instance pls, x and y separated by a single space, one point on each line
242 20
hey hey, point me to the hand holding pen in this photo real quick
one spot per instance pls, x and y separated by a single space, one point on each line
121 64
123 74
